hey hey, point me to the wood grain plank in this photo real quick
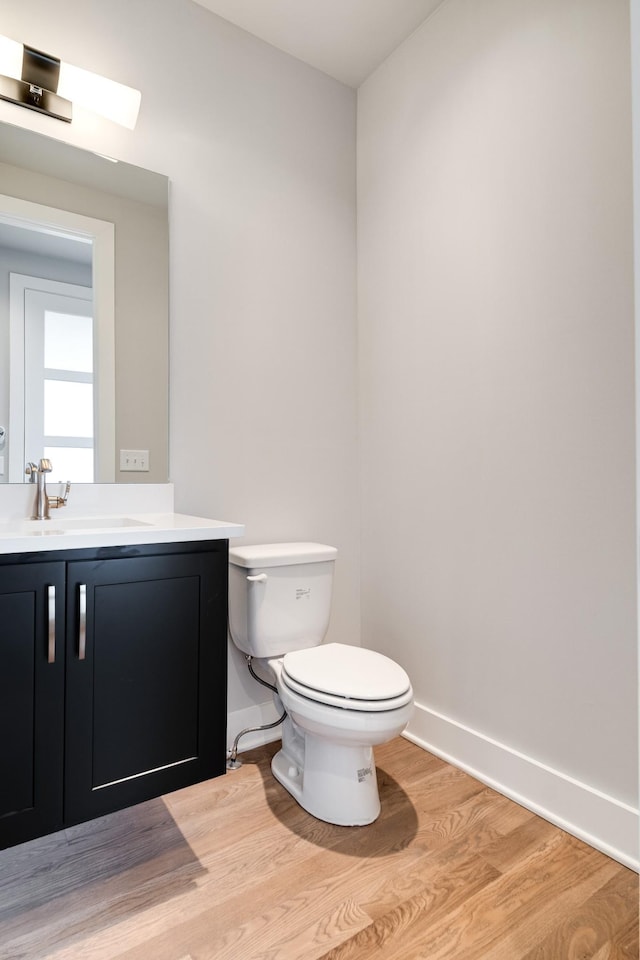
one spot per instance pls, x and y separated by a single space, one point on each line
448 887
626 941
234 868
593 927
528 839
507 917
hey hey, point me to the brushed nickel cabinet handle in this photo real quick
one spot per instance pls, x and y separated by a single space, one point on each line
82 630
51 624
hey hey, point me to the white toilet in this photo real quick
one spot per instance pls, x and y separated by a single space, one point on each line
340 700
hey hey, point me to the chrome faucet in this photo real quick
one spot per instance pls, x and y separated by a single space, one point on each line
38 475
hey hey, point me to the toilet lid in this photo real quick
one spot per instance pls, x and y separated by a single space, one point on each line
336 672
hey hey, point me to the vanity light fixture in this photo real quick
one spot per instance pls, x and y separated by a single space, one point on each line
41 82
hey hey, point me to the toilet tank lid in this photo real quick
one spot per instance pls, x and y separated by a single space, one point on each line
280 554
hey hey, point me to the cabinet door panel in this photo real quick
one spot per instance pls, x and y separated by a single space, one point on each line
31 700
17 700
146 706
145 656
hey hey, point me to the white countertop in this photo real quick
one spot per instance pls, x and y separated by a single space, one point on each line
110 530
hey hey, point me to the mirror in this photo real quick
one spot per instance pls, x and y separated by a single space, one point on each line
77 228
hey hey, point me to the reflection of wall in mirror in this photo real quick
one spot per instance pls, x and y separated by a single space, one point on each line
141 299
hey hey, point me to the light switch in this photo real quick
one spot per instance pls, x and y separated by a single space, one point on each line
134 460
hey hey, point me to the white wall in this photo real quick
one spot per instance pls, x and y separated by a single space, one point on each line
635 98
260 150
497 388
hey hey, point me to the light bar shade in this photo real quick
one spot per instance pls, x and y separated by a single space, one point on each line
112 100
41 82
11 58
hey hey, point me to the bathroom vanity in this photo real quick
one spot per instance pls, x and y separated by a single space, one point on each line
113 648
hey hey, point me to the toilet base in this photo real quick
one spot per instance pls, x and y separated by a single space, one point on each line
337 782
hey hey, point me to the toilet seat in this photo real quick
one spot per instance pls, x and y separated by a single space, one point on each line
351 678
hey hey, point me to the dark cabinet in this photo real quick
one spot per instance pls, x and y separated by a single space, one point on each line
133 702
31 700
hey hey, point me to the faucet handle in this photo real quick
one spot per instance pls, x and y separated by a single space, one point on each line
45 466
60 501
31 470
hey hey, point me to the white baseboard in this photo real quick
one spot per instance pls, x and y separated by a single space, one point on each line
600 820
254 716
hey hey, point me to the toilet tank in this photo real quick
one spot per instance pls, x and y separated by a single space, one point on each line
279 596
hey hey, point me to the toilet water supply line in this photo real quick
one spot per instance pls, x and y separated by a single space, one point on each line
232 756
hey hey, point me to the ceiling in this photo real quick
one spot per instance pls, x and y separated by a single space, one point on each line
45 243
347 39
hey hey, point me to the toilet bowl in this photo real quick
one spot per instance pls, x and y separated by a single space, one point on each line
326 761
340 700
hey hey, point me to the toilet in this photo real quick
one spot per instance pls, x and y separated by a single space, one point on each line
340 700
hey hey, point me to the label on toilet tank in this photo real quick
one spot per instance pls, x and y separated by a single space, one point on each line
303 593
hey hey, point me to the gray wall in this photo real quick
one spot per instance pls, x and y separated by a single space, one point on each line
260 151
496 348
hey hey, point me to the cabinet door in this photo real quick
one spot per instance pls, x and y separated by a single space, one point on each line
146 678
31 700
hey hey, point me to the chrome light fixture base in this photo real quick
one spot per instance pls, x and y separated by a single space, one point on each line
36 80
35 98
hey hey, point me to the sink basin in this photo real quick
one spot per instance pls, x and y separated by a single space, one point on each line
58 526
112 530
94 523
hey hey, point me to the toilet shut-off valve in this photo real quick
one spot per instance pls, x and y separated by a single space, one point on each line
232 755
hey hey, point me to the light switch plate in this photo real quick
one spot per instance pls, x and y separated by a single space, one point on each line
134 460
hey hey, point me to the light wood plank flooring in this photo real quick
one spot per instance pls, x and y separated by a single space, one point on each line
233 869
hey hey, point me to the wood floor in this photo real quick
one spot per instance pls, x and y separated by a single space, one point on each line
234 870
